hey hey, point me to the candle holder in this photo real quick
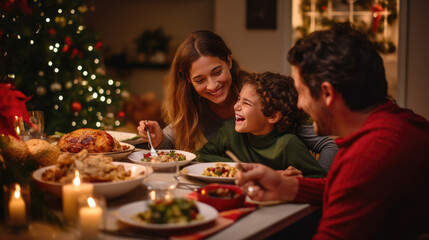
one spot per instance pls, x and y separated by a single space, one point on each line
17 205
91 216
159 190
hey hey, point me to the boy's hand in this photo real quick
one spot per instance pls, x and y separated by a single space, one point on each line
291 172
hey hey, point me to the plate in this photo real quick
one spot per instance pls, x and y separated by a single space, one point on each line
117 155
107 189
127 212
137 156
126 137
197 170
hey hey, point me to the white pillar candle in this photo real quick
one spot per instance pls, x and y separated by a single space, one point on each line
71 193
89 218
17 210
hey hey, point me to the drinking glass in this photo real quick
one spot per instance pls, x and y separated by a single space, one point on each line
36 127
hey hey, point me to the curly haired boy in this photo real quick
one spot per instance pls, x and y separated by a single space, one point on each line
266 118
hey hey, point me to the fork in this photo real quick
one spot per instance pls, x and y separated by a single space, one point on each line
153 152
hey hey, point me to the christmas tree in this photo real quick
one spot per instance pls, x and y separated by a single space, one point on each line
48 54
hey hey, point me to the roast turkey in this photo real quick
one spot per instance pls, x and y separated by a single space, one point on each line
93 140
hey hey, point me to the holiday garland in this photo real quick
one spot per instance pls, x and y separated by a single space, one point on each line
383 45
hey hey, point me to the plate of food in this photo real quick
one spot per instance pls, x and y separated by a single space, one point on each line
153 214
166 158
220 172
110 179
126 137
95 142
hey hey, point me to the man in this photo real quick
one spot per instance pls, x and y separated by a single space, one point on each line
378 185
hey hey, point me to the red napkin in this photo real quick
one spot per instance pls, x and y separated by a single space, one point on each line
225 219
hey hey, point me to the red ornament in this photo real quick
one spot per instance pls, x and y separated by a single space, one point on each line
376 17
121 114
65 48
52 31
323 8
68 41
76 106
99 45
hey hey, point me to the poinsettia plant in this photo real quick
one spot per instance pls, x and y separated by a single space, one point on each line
12 168
12 106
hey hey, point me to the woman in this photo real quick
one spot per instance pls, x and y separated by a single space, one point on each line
203 87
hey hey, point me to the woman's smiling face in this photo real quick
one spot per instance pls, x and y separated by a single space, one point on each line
211 78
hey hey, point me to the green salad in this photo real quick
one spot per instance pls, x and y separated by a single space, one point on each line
177 210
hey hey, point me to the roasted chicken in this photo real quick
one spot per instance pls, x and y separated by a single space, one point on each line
93 140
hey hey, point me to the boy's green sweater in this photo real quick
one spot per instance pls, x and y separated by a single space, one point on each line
276 150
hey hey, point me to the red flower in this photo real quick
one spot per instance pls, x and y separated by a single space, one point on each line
12 103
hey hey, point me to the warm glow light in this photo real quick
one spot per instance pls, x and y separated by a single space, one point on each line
98 124
91 202
76 180
79 67
17 193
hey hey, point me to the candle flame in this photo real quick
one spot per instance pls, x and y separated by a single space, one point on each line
76 180
91 202
17 193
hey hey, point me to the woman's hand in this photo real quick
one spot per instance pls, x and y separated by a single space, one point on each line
265 184
156 134
291 172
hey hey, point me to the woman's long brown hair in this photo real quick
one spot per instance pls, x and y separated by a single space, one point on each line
182 104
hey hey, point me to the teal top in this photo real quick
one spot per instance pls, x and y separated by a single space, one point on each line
276 150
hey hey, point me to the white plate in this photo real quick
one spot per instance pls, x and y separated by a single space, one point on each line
107 189
197 170
117 155
137 157
127 214
126 137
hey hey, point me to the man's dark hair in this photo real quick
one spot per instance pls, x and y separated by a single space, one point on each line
345 58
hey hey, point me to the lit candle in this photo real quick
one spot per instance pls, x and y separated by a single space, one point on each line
89 218
17 209
71 192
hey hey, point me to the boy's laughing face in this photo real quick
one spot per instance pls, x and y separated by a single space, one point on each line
248 113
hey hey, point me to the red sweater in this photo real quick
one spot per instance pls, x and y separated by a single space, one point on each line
378 184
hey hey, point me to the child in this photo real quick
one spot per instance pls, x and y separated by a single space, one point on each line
266 116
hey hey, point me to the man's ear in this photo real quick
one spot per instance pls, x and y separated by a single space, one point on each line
327 92
275 117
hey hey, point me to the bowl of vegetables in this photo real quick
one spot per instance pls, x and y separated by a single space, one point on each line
221 196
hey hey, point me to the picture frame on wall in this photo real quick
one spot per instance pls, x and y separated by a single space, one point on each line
261 14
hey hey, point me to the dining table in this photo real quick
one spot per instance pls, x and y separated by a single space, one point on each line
265 220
